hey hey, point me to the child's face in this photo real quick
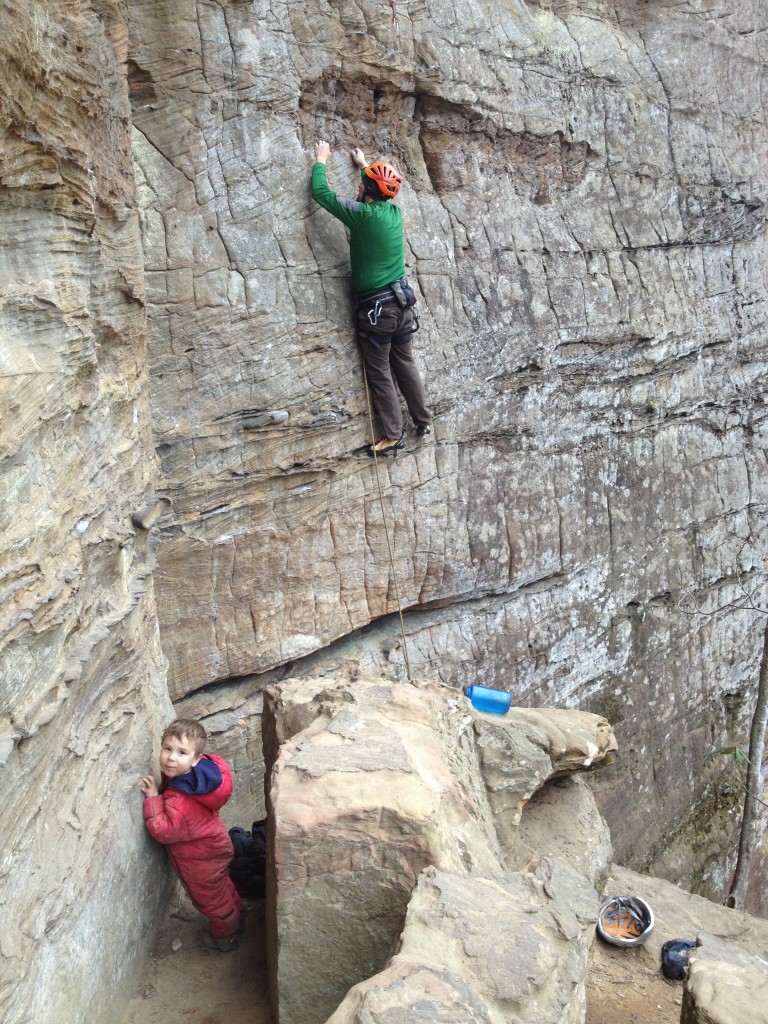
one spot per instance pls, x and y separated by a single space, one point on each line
177 756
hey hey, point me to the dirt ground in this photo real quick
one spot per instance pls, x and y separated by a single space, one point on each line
186 982
627 984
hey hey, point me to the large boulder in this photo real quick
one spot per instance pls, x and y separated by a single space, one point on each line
725 985
485 952
369 783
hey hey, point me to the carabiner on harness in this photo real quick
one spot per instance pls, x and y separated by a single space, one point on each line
373 313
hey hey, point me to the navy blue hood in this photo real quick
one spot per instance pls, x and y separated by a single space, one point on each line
202 779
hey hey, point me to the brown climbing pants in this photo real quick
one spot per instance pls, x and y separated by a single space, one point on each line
387 349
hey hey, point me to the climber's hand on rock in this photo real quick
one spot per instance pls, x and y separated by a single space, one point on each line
358 157
149 786
322 151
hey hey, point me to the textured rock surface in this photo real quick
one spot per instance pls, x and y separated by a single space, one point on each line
81 672
373 781
586 206
561 821
526 748
725 985
681 914
478 952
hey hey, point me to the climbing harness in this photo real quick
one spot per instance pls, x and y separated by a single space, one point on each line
386 528
400 292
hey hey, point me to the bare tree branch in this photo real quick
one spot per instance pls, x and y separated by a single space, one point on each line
754 785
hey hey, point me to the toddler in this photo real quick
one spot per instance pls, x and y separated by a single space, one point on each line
183 815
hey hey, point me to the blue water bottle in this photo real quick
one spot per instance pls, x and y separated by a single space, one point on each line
483 698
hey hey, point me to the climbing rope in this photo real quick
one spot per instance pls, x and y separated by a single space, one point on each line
386 528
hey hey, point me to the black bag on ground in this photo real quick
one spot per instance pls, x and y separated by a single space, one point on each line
674 958
248 867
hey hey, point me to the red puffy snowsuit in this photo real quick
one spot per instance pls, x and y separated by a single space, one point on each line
199 847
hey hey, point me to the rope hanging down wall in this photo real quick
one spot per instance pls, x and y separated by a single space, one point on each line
384 520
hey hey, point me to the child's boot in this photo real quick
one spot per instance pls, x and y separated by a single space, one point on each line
226 944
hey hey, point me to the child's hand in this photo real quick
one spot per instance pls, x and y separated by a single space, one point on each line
149 786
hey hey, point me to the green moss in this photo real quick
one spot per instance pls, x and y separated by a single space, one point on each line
708 841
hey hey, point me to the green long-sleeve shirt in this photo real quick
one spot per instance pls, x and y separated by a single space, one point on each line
376 240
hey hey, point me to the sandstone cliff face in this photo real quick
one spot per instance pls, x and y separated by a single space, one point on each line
81 672
585 206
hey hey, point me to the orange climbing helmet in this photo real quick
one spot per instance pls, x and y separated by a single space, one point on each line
385 177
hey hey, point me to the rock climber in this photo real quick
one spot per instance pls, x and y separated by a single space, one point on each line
385 318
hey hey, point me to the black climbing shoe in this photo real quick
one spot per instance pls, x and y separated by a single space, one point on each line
423 429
